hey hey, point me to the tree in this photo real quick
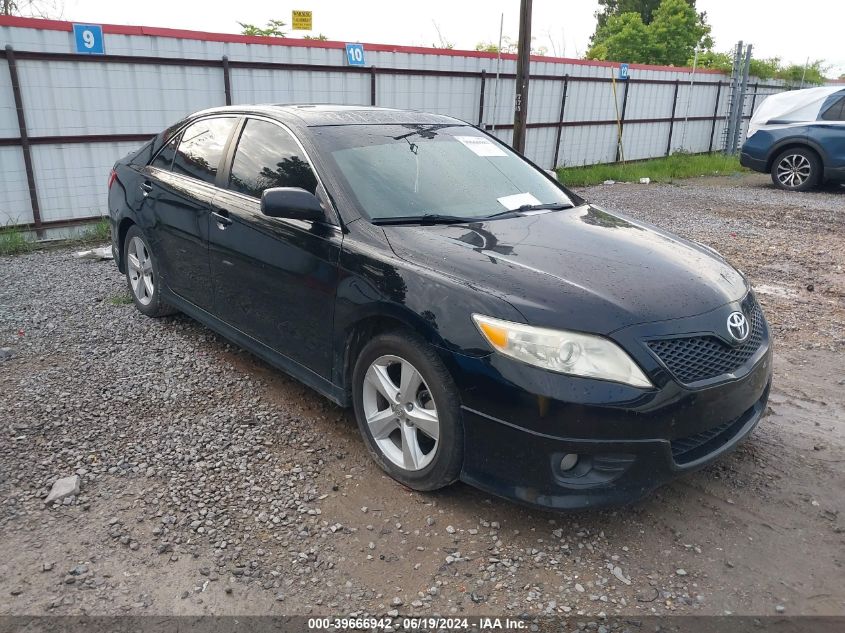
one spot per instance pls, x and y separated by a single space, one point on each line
645 8
52 9
442 42
677 30
509 47
797 74
272 29
670 36
769 68
616 7
760 68
625 38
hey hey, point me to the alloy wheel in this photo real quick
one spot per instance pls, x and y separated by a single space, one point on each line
401 413
793 170
140 271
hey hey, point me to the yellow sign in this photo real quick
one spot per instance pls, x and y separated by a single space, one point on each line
301 20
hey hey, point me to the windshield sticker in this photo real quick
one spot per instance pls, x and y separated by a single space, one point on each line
512 203
481 145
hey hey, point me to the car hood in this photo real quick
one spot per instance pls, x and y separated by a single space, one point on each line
584 268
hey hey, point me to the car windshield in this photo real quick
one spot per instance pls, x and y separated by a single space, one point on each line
449 172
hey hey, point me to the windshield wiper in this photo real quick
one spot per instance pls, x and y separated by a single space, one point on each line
425 218
437 218
551 206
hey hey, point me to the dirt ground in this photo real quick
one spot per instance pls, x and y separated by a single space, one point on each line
762 531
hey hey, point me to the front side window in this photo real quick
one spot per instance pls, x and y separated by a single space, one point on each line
201 148
412 170
267 156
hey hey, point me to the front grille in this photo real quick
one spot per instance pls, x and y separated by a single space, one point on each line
695 358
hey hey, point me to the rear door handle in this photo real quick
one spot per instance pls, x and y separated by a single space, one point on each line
146 188
222 218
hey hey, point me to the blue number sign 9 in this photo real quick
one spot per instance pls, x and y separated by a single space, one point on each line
88 39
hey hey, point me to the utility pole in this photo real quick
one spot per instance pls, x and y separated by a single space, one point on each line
520 106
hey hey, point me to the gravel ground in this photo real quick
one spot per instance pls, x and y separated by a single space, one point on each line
211 483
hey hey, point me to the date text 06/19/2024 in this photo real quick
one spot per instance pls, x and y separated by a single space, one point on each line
417 624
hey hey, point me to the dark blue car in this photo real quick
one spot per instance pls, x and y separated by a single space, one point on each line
799 137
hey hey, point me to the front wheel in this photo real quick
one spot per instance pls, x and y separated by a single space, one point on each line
796 169
408 411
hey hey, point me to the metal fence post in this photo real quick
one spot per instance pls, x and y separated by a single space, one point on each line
715 115
560 120
619 146
25 147
372 85
227 82
754 98
481 97
672 118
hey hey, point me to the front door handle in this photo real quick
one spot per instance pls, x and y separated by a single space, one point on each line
222 218
146 188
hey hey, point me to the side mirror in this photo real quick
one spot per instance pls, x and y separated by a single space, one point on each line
291 202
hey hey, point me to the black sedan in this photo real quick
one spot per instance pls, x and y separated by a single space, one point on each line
485 323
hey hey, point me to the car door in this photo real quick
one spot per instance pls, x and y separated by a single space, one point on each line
829 132
274 278
178 187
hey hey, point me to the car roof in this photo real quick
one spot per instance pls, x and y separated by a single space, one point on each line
308 115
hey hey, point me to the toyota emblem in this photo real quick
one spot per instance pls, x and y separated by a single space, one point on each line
738 326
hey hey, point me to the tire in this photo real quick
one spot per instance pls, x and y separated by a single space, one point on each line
796 169
399 434
142 275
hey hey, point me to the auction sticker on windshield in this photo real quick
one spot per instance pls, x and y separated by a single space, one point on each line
512 203
481 145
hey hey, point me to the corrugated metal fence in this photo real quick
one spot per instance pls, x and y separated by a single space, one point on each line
71 116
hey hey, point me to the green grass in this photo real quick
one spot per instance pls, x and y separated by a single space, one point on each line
122 299
14 241
99 232
658 169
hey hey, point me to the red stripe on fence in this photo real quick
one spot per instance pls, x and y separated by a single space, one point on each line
155 31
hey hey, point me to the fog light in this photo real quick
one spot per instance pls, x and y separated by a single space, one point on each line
569 461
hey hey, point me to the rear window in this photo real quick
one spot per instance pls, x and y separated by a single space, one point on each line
836 112
201 148
164 159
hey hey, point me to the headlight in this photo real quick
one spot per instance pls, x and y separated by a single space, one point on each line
561 351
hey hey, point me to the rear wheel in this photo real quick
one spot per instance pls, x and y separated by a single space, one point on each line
408 411
142 275
796 169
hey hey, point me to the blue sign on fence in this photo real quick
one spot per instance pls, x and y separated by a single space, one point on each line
623 72
89 39
355 54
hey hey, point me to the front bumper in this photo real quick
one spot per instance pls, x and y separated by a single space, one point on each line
749 161
628 443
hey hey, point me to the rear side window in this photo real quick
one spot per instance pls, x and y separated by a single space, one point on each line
201 148
164 160
267 156
836 112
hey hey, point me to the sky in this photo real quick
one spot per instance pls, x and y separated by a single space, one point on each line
783 28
